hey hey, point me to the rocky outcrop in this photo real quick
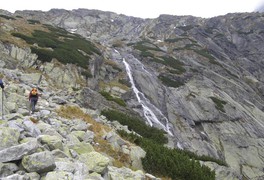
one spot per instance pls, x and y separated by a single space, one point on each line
48 146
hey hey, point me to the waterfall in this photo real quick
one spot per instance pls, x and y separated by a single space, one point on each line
146 104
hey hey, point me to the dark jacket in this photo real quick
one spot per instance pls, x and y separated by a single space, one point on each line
1 84
33 97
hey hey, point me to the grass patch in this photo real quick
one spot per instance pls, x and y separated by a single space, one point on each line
113 64
34 120
73 112
59 44
145 45
219 104
137 125
204 53
109 97
7 17
32 21
87 74
186 28
169 82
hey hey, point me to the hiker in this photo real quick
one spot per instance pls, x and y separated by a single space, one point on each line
1 81
33 98
2 84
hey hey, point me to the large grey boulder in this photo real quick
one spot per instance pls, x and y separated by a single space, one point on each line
82 148
18 151
39 162
31 128
95 161
14 177
124 173
7 169
53 142
58 175
81 171
136 154
8 137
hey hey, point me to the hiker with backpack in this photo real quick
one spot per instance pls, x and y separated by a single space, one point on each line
2 87
33 99
2 84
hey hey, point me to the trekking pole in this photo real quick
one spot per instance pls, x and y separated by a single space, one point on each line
2 104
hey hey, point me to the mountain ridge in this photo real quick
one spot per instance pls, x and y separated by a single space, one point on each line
205 75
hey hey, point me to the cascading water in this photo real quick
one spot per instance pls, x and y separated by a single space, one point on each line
146 104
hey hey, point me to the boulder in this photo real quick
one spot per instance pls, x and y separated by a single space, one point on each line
7 169
39 162
53 142
82 148
18 151
124 173
95 161
58 175
8 137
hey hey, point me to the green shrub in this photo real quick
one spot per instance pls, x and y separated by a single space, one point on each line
87 74
185 28
7 17
66 47
219 104
165 60
108 96
174 63
204 53
137 125
146 45
172 163
173 40
124 82
32 21
43 54
169 82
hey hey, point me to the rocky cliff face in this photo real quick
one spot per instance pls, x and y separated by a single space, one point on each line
201 78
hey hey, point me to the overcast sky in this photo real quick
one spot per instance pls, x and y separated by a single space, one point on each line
141 8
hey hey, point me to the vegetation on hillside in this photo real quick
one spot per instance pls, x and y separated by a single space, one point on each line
136 125
74 112
147 50
219 104
109 97
169 82
7 17
60 44
160 160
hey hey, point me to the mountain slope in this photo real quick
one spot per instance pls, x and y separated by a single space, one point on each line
201 78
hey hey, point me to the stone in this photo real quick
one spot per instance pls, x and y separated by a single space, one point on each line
59 175
136 153
31 128
82 147
7 169
124 173
63 164
78 134
95 161
53 142
8 137
18 151
39 162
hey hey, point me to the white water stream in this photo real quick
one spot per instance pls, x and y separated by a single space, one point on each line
146 104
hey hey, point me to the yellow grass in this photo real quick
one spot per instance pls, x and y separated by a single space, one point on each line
20 25
73 112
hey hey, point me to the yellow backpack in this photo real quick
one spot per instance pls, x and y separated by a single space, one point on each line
34 91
